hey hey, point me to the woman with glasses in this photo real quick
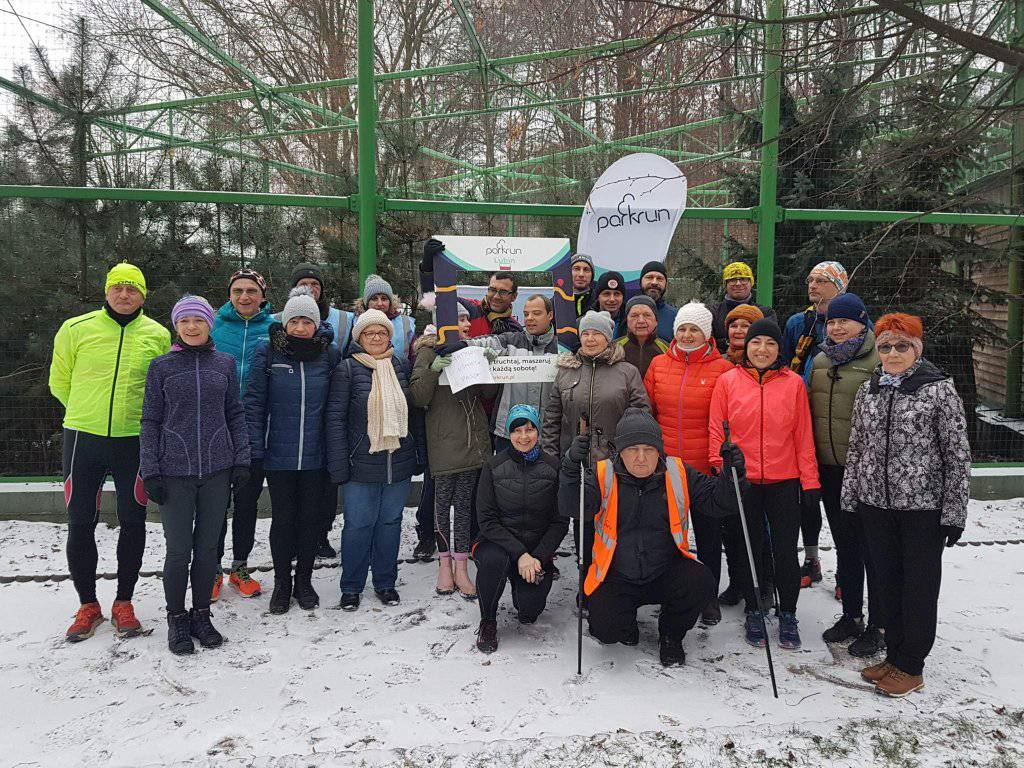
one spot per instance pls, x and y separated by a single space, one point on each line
907 476
847 359
374 447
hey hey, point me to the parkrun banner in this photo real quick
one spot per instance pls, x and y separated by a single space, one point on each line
631 214
512 254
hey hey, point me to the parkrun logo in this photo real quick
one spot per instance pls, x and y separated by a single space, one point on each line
504 257
627 217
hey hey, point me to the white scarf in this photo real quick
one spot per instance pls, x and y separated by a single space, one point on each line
387 412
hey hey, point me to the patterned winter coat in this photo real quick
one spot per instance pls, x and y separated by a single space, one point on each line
908 446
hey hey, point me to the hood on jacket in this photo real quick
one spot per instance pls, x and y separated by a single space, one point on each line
426 340
228 314
573 360
926 373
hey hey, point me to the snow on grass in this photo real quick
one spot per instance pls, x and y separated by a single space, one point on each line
405 686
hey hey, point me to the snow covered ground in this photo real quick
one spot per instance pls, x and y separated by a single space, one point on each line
405 686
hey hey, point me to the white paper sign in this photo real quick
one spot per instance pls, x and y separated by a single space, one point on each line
631 214
468 367
522 369
514 254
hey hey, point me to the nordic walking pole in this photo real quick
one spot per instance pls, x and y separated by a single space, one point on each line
753 567
579 550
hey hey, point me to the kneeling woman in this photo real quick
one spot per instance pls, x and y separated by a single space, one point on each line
193 443
520 526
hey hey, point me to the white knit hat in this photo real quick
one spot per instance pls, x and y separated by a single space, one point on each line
368 318
301 304
695 313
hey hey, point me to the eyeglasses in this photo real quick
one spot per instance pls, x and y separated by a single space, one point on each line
375 334
818 281
901 347
500 292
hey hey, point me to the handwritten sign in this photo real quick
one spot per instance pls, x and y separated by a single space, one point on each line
468 367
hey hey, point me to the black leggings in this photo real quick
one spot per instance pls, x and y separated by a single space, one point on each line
707 531
810 523
851 551
243 519
191 519
297 499
779 504
88 459
453 532
495 566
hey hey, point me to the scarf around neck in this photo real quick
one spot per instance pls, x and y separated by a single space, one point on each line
844 351
387 412
530 455
895 379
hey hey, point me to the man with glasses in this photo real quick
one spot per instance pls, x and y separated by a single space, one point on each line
738 279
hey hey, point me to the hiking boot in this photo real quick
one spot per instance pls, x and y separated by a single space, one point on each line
870 643
388 596
122 616
305 595
524 619
487 637
810 573
843 629
246 585
88 617
753 629
789 635
632 636
202 629
730 596
876 672
349 601
711 614
324 550
179 636
425 549
671 652
281 599
217 582
898 683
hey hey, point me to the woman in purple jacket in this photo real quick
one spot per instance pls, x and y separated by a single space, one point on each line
193 445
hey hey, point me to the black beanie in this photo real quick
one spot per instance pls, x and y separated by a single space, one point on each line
610 281
763 327
637 427
304 270
654 266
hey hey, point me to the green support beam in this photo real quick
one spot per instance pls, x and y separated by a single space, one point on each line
1015 269
768 213
367 171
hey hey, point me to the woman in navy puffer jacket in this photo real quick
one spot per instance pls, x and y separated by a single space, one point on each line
284 408
375 444
192 444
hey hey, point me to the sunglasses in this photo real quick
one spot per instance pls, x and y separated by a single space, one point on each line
901 347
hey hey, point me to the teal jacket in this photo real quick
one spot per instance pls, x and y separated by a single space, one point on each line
239 337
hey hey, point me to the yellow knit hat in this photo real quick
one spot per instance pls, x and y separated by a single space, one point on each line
737 270
126 274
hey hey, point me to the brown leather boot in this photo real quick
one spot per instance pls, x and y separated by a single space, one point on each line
876 672
898 683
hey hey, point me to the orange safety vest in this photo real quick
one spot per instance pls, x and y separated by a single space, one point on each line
606 522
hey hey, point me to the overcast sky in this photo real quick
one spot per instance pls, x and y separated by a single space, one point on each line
36 20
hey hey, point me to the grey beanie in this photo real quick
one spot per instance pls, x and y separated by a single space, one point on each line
598 321
376 284
585 258
300 304
637 427
642 300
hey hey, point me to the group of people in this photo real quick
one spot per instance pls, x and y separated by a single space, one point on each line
664 419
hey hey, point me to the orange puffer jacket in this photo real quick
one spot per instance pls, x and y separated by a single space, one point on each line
770 420
679 385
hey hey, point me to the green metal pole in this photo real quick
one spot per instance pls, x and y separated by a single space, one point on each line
768 204
1015 271
367 117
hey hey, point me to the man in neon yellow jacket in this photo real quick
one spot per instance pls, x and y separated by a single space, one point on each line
98 373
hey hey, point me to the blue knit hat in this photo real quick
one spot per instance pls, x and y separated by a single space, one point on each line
522 412
849 306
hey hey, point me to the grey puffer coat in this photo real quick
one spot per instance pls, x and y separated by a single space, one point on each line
601 388
908 446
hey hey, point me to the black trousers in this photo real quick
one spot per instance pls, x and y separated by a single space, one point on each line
810 523
192 518
88 459
495 567
851 552
905 548
296 499
779 505
682 591
243 519
425 511
707 531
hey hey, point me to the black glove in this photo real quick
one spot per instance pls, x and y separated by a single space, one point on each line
155 489
952 534
239 476
430 250
811 500
579 449
450 347
732 458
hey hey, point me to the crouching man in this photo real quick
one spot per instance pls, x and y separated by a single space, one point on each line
637 508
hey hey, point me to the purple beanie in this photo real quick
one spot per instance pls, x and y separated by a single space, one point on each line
192 306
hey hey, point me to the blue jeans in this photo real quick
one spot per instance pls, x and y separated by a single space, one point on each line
372 534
